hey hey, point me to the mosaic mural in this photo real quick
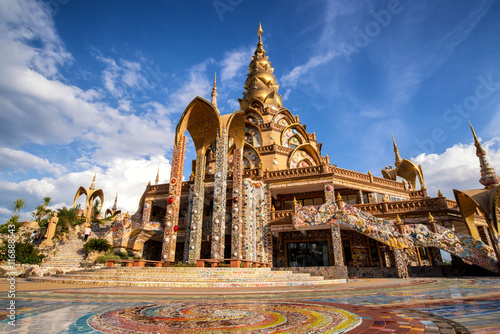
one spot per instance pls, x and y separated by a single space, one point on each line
250 158
255 241
189 216
254 118
236 220
282 119
301 159
385 231
252 136
293 138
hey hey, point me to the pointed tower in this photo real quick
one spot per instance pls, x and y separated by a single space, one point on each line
214 93
488 178
261 82
92 185
157 176
396 152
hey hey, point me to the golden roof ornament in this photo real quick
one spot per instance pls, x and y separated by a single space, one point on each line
398 219
127 215
396 152
114 205
294 200
157 176
339 197
214 93
440 194
261 84
431 218
149 183
488 176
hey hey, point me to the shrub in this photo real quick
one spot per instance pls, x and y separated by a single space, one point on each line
97 245
113 256
25 253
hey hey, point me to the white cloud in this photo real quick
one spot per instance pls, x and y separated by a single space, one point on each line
127 177
291 79
457 167
234 62
21 160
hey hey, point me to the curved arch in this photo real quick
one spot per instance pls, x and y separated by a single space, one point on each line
81 191
284 117
257 105
468 203
236 128
97 194
202 121
253 118
296 156
409 171
254 133
288 132
389 174
112 212
252 156
386 231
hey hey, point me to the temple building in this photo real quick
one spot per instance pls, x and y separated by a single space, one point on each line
263 192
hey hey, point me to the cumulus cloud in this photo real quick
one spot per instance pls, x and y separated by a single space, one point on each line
127 177
234 62
21 160
457 167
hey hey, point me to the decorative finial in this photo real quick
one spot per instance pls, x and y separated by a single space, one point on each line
214 93
369 173
273 208
127 215
294 200
396 152
157 176
488 176
384 198
440 194
92 185
431 218
339 197
260 52
398 219
149 184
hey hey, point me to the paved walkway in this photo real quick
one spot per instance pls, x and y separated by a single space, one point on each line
466 305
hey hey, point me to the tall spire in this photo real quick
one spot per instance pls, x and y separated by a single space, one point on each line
114 205
157 176
488 176
261 84
396 152
214 92
92 185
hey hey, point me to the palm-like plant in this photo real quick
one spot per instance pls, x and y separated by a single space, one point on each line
18 205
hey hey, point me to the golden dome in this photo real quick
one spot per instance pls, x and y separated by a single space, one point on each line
261 82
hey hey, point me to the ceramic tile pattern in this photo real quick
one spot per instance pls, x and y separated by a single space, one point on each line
361 306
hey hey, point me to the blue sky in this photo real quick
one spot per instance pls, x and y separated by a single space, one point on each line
98 86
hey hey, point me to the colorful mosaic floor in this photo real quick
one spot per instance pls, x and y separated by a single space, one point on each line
360 306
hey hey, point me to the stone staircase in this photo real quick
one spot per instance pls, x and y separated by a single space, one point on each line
188 277
68 255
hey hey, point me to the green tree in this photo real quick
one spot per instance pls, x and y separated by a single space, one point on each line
95 244
25 252
95 211
18 205
68 218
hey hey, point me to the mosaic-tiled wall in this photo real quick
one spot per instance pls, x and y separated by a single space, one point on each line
255 238
236 226
189 216
220 186
197 214
338 251
173 201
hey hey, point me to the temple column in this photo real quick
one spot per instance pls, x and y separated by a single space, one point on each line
236 229
338 251
267 229
188 224
401 265
361 198
220 188
197 214
173 202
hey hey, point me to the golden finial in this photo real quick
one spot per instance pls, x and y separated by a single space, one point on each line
214 92
369 173
157 176
116 199
384 198
149 184
267 169
440 194
398 220
488 176
339 197
273 208
294 200
396 152
127 215
430 217
260 31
